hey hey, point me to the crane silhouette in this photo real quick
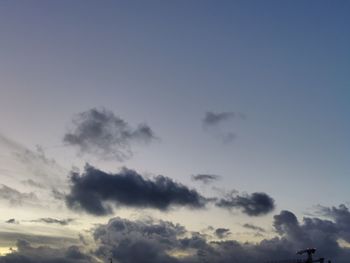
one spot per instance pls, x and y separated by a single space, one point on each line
309 252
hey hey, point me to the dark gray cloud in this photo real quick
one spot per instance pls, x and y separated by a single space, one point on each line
159 241
11 221
222 232
105 135
213 118
15 197
254 227
205 178
341 216
26 253
49 220
255 204
94 191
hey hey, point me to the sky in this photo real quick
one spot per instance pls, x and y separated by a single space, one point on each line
187 131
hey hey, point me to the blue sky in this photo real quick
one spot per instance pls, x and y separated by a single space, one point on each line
283 65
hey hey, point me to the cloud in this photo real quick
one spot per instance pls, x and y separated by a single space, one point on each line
11 221
254 227
256 204
341 216
49 220
144 241
94 191
161 241
102 134
222 232
205 178
16 197
213 118
26 253
32 183
213 121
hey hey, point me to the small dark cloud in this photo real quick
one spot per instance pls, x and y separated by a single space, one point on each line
255 204
215 118
105 135
11 221
254 227
49 220
205 178
222 232
94 191
16 197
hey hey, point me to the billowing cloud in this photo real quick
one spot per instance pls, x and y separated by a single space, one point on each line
105 135
255 204
49 220
222 232
205 178
341 216
94 191
156 241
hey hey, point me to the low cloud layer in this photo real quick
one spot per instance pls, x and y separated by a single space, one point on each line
162 241
205 178
96 191
255 204
49 220
105 135
26 253
157 241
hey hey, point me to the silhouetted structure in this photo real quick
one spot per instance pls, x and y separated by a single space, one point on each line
309 252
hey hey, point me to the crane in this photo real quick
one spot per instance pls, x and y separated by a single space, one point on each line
309 252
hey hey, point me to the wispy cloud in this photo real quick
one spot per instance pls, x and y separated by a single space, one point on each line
213 122
205 178
103 134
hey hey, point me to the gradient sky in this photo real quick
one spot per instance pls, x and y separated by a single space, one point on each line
283 67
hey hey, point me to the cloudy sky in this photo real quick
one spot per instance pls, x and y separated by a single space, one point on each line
174 131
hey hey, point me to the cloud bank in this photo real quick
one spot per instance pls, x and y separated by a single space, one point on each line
157 241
